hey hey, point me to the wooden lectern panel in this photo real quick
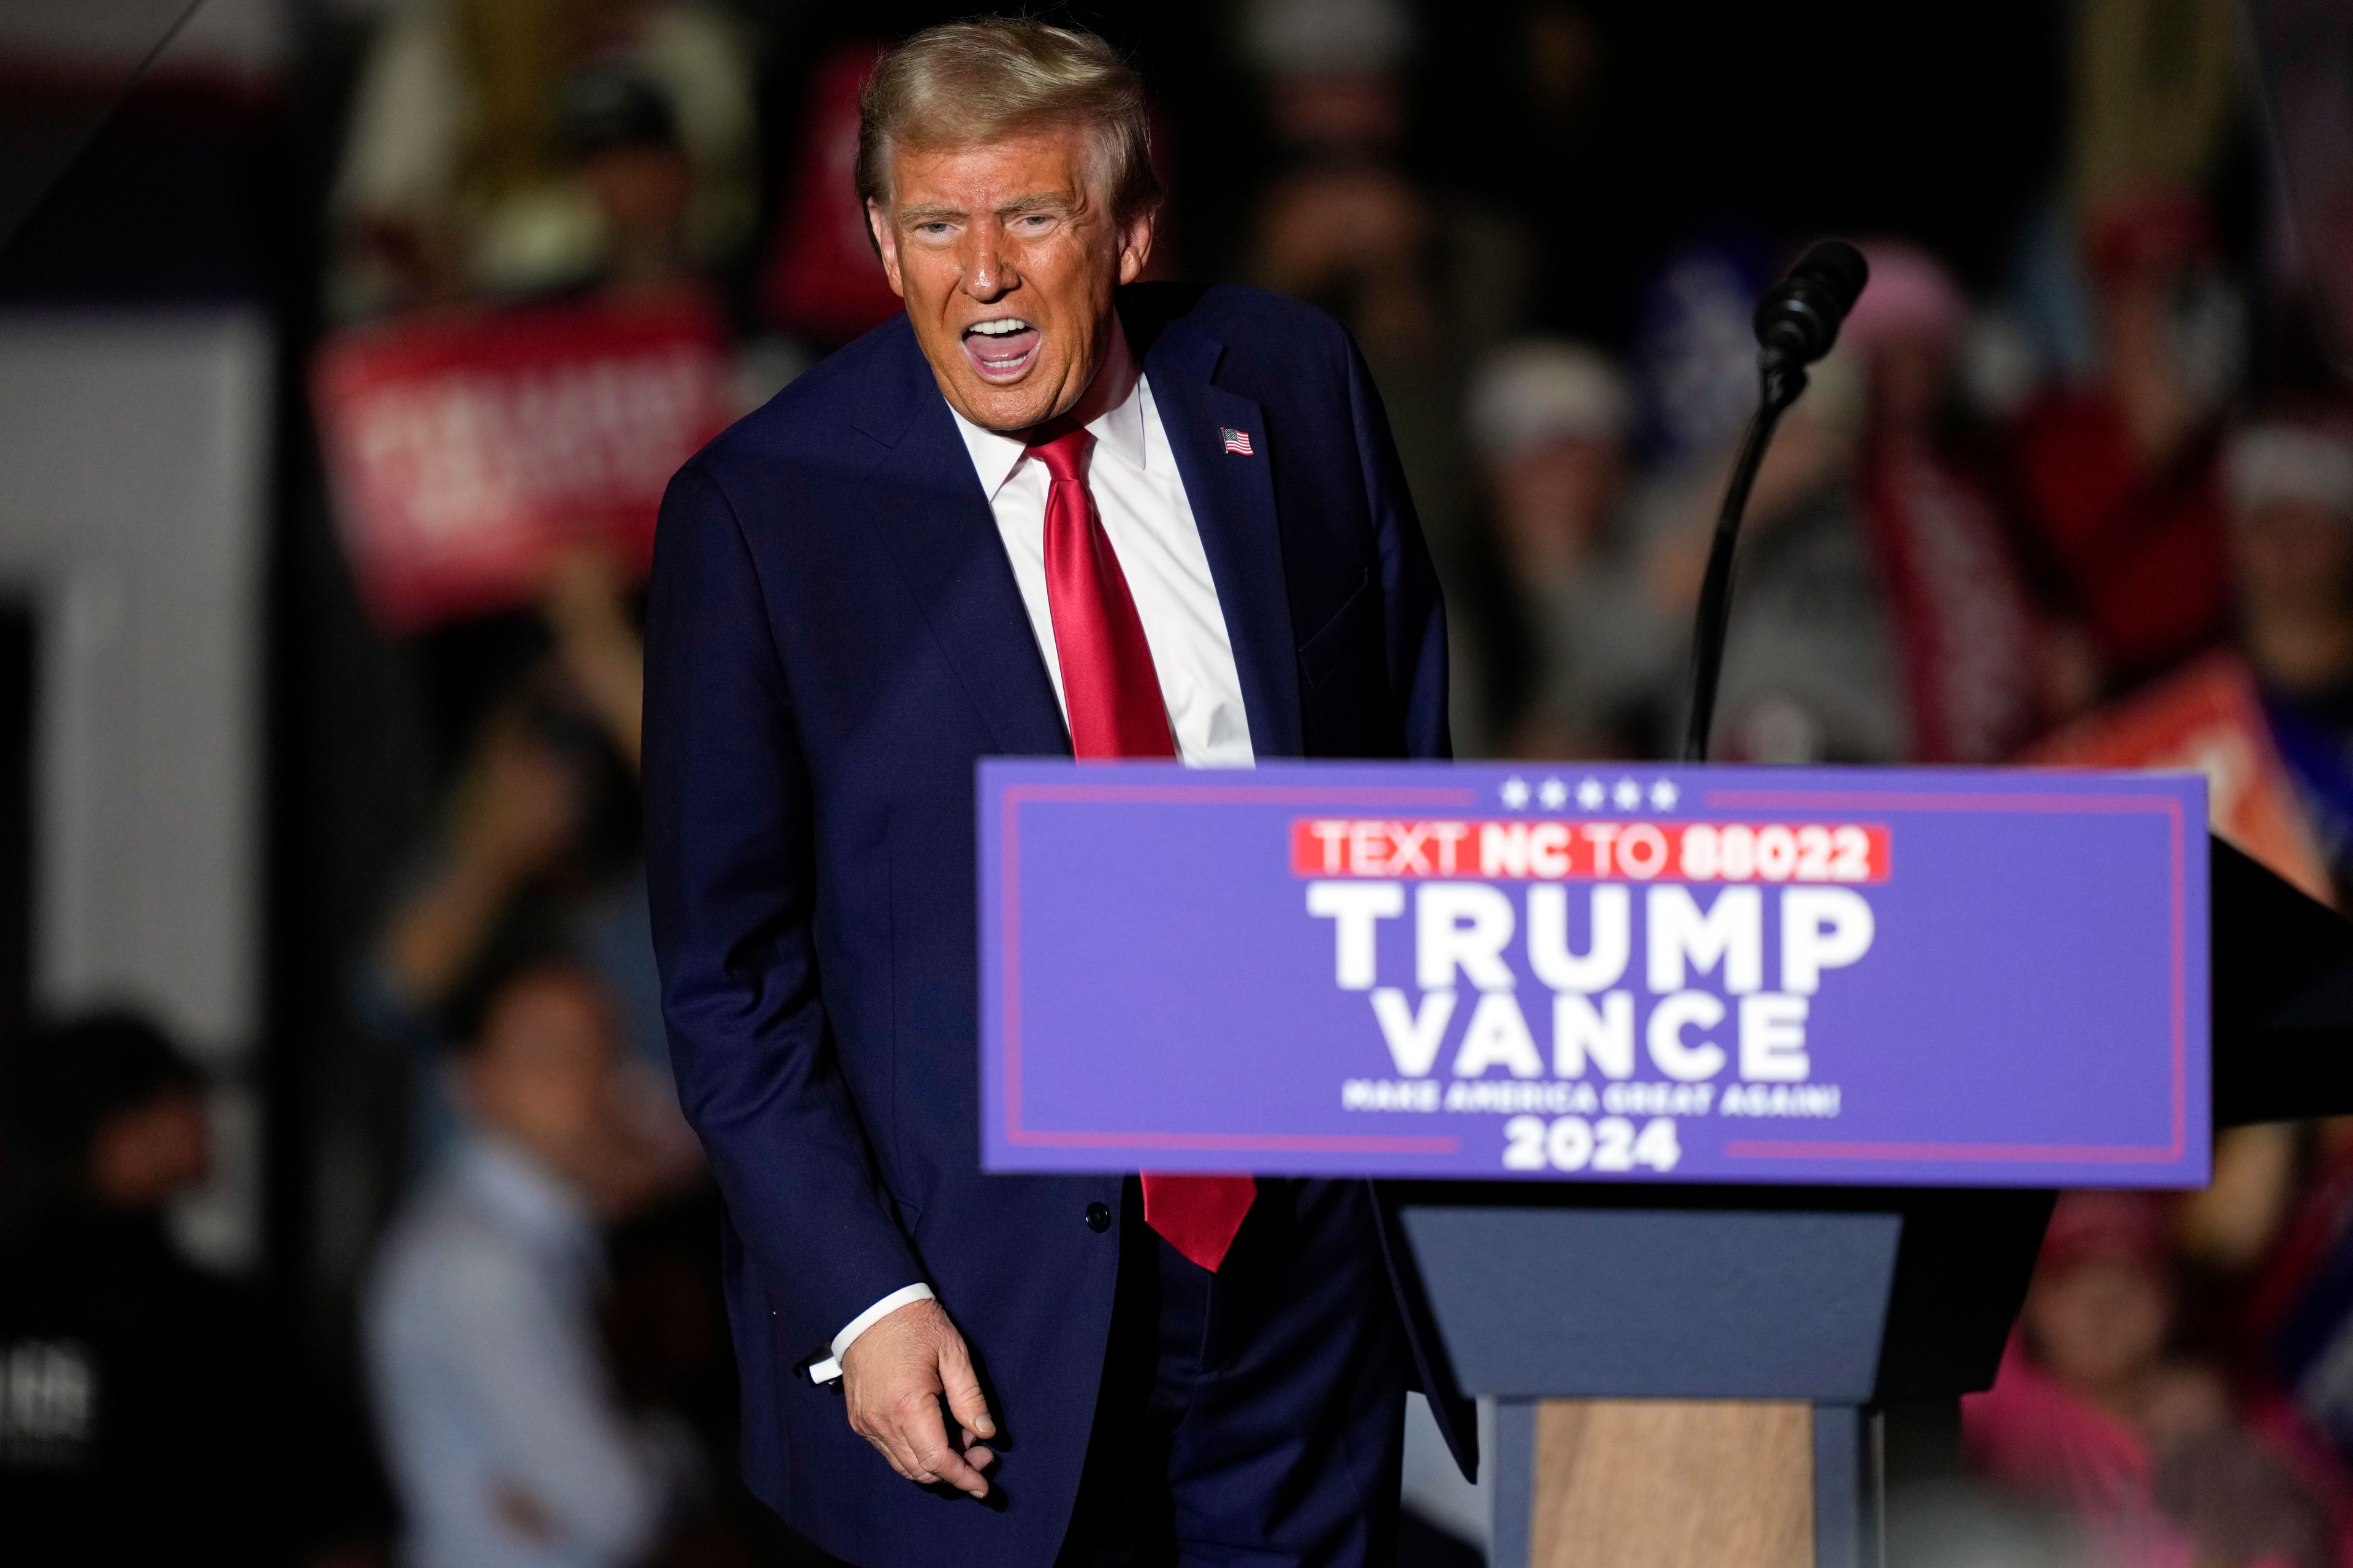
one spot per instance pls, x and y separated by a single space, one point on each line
1674 1484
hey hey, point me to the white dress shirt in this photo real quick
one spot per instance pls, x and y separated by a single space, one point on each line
489 1376
1141 499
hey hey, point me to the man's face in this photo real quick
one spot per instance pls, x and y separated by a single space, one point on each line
542 1073
1006 255
1554 502
2098 1321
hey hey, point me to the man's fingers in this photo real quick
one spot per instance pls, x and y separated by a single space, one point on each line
908 1462
976 1454
946 1463
897 1376
962 1388
934 1454
897 1435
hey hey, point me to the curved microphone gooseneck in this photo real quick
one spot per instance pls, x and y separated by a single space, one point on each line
1797 322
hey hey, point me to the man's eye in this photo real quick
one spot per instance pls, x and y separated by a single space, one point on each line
932 230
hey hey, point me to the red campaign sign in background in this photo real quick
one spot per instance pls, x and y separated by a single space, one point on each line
824 279
2207 718
467 450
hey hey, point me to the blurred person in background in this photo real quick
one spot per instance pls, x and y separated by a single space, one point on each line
2117 477
1568 643
1884 612
146 1408
506 1438
540 846
2097 1413
1811 668
621 134
1978 669
1425 278
2296 1317
539 853
2290 491
505 148
2289 487
1343 224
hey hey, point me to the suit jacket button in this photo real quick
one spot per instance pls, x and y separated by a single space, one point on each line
1098 1217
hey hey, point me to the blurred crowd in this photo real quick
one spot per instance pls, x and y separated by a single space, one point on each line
2024 509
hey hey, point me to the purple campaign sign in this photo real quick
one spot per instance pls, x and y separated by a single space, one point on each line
1596 973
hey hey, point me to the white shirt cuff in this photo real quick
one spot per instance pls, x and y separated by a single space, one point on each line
826 1370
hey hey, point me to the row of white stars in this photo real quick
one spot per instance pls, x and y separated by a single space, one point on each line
1591 794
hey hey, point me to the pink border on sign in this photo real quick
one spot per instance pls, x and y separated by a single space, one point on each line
1994 1153
1016 797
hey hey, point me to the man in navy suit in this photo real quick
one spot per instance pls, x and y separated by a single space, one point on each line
1052 510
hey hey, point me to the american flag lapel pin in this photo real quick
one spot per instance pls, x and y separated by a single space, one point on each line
1237 441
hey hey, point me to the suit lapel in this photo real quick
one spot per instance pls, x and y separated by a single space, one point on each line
1232 498
929 507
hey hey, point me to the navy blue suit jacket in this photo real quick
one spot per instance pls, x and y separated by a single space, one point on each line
834 637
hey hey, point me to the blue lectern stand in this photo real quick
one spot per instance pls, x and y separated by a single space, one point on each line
1862 1305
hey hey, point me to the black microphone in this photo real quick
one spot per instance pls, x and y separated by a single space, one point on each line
1796 321
1799 318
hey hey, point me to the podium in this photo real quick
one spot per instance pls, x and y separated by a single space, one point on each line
1737 1347
1829 1334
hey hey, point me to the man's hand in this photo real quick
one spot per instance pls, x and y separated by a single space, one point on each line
894 1376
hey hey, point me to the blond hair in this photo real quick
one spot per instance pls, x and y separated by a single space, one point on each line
968 83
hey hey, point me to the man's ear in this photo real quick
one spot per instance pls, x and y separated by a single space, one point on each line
1136 245
886 245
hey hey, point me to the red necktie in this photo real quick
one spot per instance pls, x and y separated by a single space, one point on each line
1113 696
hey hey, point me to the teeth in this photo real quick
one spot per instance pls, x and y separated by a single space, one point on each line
1001 328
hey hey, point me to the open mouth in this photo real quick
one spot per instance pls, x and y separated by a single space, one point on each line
1001 349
